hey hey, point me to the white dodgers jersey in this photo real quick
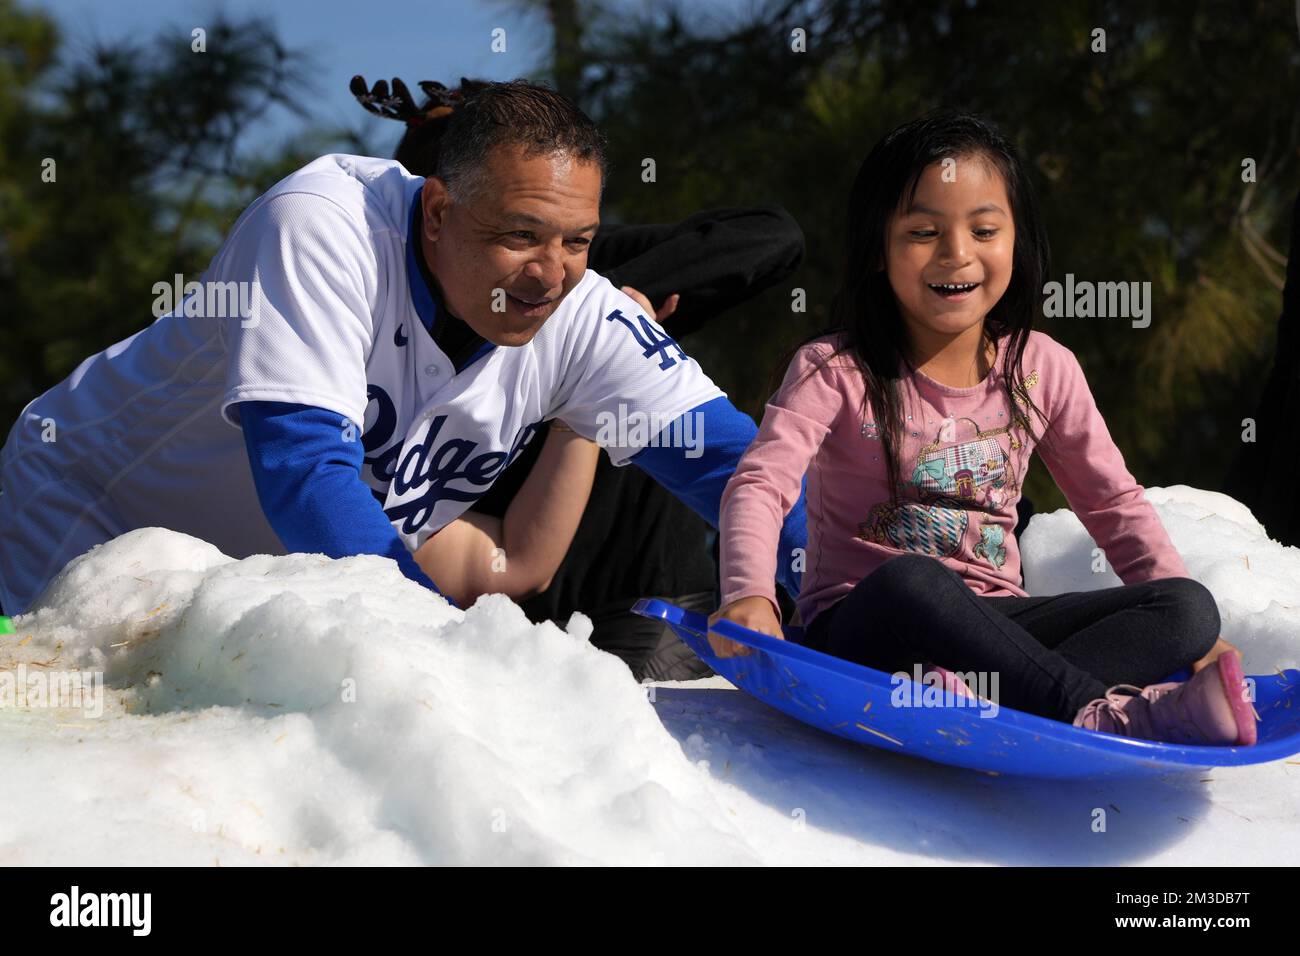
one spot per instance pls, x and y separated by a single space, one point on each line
146 433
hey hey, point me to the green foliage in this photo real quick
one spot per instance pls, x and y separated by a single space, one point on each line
1136 152
149 171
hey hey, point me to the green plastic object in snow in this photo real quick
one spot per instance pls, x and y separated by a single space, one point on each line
6 625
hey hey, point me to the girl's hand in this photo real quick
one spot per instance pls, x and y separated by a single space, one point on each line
755 613
1220 646
667 309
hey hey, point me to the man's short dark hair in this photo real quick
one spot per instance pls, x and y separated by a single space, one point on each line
514 113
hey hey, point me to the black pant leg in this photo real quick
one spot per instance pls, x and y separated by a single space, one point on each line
1132 634
672 658
913 609
650 648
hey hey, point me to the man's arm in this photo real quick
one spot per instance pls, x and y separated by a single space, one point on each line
518 554
698 475
308 480
625 372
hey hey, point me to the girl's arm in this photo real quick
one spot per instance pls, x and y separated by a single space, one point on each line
1090 470
517 555
765 486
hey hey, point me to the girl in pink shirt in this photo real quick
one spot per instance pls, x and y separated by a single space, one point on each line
914 420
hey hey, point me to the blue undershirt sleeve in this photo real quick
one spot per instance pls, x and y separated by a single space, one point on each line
699 481
308 480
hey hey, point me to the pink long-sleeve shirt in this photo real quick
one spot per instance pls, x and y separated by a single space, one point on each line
962 466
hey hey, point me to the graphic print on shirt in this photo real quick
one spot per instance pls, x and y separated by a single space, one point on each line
429 457
441 469
378 432
990 547
951 477
654 341
453 470
936 529
965 470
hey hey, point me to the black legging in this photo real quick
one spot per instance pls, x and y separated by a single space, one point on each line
1052 654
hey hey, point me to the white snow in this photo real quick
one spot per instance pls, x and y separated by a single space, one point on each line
302 710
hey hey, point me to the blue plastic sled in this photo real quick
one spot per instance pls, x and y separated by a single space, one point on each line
855 702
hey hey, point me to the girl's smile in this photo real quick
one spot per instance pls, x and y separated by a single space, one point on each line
954 291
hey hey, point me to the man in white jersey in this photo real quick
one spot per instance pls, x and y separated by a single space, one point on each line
403 338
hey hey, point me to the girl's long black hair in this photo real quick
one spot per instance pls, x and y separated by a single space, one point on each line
864 311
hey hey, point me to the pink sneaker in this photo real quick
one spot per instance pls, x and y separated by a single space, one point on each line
1210 709
950 682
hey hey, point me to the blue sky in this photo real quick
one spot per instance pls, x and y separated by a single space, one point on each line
414 39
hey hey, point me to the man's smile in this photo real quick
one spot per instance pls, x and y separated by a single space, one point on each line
532 307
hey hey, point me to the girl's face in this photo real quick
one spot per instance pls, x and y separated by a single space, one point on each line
949 256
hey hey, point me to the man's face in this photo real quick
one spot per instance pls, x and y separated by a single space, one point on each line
506 258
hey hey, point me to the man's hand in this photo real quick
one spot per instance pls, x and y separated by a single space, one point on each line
755 613
668 308
1220 646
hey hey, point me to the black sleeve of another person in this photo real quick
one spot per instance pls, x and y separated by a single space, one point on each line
714 259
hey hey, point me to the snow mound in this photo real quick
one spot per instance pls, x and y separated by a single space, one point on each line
1254 580
332 711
